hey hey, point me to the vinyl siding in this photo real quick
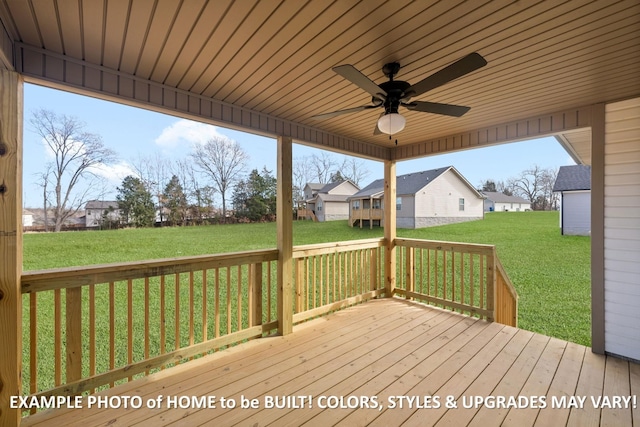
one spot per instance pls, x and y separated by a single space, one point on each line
576 213
622 229
440 199
333 211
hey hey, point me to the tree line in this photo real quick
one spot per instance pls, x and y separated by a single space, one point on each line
534 184
185 191
178 192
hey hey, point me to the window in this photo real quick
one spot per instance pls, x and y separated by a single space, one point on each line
460 204
376 204
319 206
356 204
398 203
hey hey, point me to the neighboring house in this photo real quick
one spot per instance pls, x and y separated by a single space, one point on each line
499 202
424 199
97 211
574 185
329 202
27 218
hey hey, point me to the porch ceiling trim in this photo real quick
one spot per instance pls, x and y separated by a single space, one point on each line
544 125
66 73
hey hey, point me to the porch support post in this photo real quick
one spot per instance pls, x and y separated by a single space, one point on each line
597 228
11 107
390 226
284 219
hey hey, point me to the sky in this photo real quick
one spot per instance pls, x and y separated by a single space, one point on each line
133 133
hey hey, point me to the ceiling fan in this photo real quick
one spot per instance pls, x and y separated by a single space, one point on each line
393 94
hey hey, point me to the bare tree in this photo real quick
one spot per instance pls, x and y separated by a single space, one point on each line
154 171
536 185
323 167
75 153
200 198
354 170
43 181
302 174
548 180
224 162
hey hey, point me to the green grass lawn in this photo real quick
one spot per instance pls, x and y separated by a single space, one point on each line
550 272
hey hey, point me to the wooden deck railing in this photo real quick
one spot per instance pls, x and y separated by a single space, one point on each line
101 325
330 276
92 327
506 298
458 276
365 214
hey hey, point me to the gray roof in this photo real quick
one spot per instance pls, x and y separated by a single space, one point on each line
503 198
101 204
407 184
332 185
572 178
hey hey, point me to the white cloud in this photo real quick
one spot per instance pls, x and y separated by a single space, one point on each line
114 173
185 133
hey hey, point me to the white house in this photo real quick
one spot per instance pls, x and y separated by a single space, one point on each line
500 202
574 185
27 218
329 202
97 211
424 199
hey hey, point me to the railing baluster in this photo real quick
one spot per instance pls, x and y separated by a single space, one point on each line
268 291
462 279
453 276
217 303
33 345
112 328
482 278
146 321
176 319
57 339
191 310
239 298
327 281
163 335
130 323
205 320
472 281
409 276
315 284
299 282
229 300
256 294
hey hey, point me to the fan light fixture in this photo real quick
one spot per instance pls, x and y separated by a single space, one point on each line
391 123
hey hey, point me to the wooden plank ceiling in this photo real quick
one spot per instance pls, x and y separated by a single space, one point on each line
275 56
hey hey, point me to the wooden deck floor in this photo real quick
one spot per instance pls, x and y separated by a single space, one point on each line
375 351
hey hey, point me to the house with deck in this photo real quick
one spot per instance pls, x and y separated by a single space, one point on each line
574 185
383 80
423 199
99 212
329 202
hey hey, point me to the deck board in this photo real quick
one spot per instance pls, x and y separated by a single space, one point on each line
382 348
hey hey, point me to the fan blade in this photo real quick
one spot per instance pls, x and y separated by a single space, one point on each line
377 130
352 74
437 108
338 113
469 63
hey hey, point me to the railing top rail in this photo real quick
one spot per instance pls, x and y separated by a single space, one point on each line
326 248
444 245
69 277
